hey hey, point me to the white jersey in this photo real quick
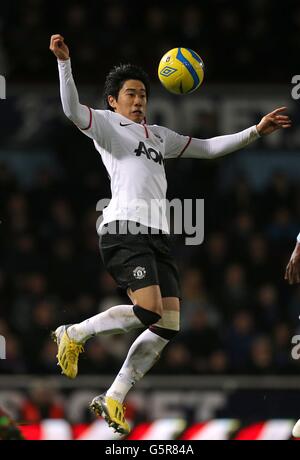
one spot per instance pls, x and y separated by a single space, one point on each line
133 155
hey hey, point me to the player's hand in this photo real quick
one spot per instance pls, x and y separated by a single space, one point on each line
59 48
292 272
273 121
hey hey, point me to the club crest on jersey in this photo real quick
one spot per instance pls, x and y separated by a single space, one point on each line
150 153
139 273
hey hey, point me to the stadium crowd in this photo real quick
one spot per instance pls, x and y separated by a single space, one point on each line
127 27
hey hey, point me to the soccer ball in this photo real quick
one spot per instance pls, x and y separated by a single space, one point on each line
181 71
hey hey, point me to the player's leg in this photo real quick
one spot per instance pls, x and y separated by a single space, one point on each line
142 355
130 261
146 310
146 349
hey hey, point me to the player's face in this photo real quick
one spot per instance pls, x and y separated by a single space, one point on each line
132 100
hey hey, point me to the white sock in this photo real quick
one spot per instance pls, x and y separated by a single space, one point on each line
142 355
115 320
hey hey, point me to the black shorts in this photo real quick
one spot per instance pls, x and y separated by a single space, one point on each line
138 261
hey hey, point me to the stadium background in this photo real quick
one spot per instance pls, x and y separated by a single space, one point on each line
231 366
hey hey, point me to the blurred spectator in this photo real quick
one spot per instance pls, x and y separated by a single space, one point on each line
43 321
238 341
23 256
84 307
195 297
29 289
267 308
282 229
64 270
200 339
97 359
42 403
240 197
218 363
61 222
8 184
107 289
261 356
176 359
259 265
193 23
279 194
235 292
215 260
4 329
46 361
243 228
282 336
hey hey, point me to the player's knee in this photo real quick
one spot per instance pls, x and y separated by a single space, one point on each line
147 317
170 320
168 326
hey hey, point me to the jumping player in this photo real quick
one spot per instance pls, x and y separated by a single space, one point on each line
133 153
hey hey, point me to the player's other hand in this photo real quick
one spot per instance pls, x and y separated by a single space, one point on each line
273 121
59 48
292 272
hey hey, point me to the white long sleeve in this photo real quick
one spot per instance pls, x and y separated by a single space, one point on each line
76 112
221 145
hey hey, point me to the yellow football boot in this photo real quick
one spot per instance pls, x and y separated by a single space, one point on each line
112 411
68 352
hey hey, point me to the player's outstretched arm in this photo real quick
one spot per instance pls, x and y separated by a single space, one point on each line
76 112
222 145
292 272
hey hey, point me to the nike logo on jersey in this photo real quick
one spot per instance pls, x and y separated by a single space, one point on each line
125 124
158 136
150 153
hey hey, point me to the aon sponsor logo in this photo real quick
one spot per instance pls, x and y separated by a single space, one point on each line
150 153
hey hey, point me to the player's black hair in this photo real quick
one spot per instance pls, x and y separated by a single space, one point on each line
117 77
